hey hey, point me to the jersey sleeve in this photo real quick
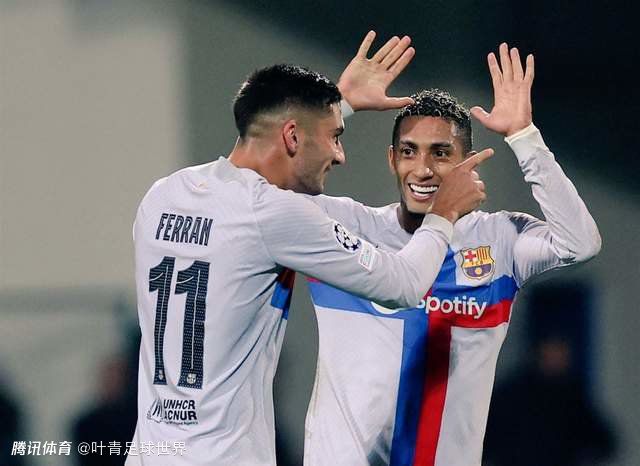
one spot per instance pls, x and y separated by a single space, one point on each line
569 233
354 215
299 235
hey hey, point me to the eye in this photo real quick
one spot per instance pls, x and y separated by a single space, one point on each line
336 139
407 152
440 154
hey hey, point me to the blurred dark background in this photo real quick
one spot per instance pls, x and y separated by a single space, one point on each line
586 54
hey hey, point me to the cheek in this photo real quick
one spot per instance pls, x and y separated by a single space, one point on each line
402 168
443 168
322 153
327 156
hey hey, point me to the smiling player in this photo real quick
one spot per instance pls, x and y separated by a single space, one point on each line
411 386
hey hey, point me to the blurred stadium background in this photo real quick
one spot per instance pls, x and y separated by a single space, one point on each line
99 98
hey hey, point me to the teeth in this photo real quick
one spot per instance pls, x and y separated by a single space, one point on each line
422 189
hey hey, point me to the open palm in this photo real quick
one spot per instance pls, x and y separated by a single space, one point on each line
511 110
364 82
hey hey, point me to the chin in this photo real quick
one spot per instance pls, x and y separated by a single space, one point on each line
422 212
314 190
416 208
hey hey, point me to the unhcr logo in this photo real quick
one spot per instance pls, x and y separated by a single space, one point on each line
156 410
173 411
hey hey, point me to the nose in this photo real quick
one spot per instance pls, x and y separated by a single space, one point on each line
423 167
339 157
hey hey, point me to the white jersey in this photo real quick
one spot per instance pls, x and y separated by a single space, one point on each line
412 386
215 247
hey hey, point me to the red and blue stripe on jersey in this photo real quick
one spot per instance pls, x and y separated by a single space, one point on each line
281 298
426 351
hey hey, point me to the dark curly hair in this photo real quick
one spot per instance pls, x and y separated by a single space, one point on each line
440 104
278 86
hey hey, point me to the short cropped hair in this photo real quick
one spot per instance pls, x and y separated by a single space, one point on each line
440 104
279 86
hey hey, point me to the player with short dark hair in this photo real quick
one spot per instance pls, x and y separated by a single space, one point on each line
275 88
438 104
409 386
216 246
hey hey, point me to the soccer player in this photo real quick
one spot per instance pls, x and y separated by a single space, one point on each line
411 385
215 247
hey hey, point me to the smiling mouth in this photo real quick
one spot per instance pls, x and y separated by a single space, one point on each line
422 192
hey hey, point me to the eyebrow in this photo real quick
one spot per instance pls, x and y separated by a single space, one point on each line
413 145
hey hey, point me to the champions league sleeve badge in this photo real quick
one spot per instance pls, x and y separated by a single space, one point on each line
346 239
477 263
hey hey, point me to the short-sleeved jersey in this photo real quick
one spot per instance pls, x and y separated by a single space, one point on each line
215 246
412 386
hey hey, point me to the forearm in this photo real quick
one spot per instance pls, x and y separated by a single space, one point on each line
573 232
402 279
297 234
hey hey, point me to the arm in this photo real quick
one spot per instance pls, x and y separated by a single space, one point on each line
299 235
357 217
569 233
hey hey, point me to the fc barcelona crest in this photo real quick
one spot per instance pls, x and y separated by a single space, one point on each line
477 262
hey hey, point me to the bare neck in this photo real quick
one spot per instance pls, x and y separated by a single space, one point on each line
409 221
263 157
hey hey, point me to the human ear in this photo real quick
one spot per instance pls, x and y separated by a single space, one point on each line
391 160
290 136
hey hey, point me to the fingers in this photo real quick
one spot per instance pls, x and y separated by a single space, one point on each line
510 67
479 185
396 52
518 74
366 44
505 63
398 102
483 195
481 188
479 113
402 62
385 49
529 73
475 160
494 69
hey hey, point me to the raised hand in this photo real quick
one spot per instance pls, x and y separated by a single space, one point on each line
364 81
511 110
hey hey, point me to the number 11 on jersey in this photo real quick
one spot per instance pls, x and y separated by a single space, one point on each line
193 281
